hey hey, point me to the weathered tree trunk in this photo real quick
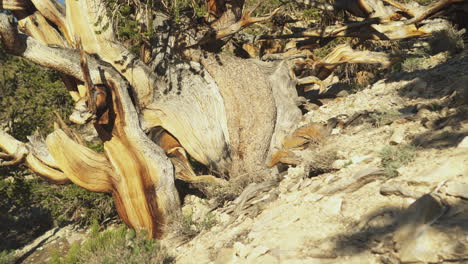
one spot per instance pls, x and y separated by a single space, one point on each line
230 114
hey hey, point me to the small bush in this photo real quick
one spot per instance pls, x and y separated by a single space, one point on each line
189 228
7 257
395 157
412 64
65 203
322 161
72 203
121 245
448 39
384 117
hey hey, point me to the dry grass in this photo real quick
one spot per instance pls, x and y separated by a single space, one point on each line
395 157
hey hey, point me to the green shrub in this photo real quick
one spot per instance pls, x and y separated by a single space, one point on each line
448 39
121 245
73 203
189 228
64 203
29 96
384 117
393 157
7 257
412 64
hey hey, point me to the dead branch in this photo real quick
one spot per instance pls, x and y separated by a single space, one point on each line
87 78
431 10
15 5
400 6
245 20
54 11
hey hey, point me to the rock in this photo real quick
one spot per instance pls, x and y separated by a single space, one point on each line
257 252
411 236
342 93
457 189
351 184
241 249
359 159
196 207
267 258
226 255
336 131
339 164
423 112
463 143
312 197
398 136
294 197
75 237
332 205
296 172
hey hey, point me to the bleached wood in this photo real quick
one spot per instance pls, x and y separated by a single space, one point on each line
54 11
14 5
133 167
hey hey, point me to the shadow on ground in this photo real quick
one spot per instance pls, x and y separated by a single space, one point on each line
376 232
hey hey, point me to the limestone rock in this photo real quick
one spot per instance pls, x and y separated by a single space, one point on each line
458 189
333 205
398 136
463 143
226 255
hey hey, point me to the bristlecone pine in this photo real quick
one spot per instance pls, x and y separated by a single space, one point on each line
179 98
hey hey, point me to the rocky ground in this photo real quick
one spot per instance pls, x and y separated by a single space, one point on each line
395 192
357 213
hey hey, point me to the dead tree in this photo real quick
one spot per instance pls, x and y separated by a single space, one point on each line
230 114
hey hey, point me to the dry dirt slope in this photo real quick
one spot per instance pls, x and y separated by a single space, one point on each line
413 126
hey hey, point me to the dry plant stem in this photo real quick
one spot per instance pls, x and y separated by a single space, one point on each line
312 80
371 28
245 21
431 10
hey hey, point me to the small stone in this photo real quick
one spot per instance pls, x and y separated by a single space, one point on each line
333 205
342 93
313 197
398 136
257 252
226 255
463 143
293 197
241 249
267 258
423 113
296 172
457 189
359 159
339 164
336 131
